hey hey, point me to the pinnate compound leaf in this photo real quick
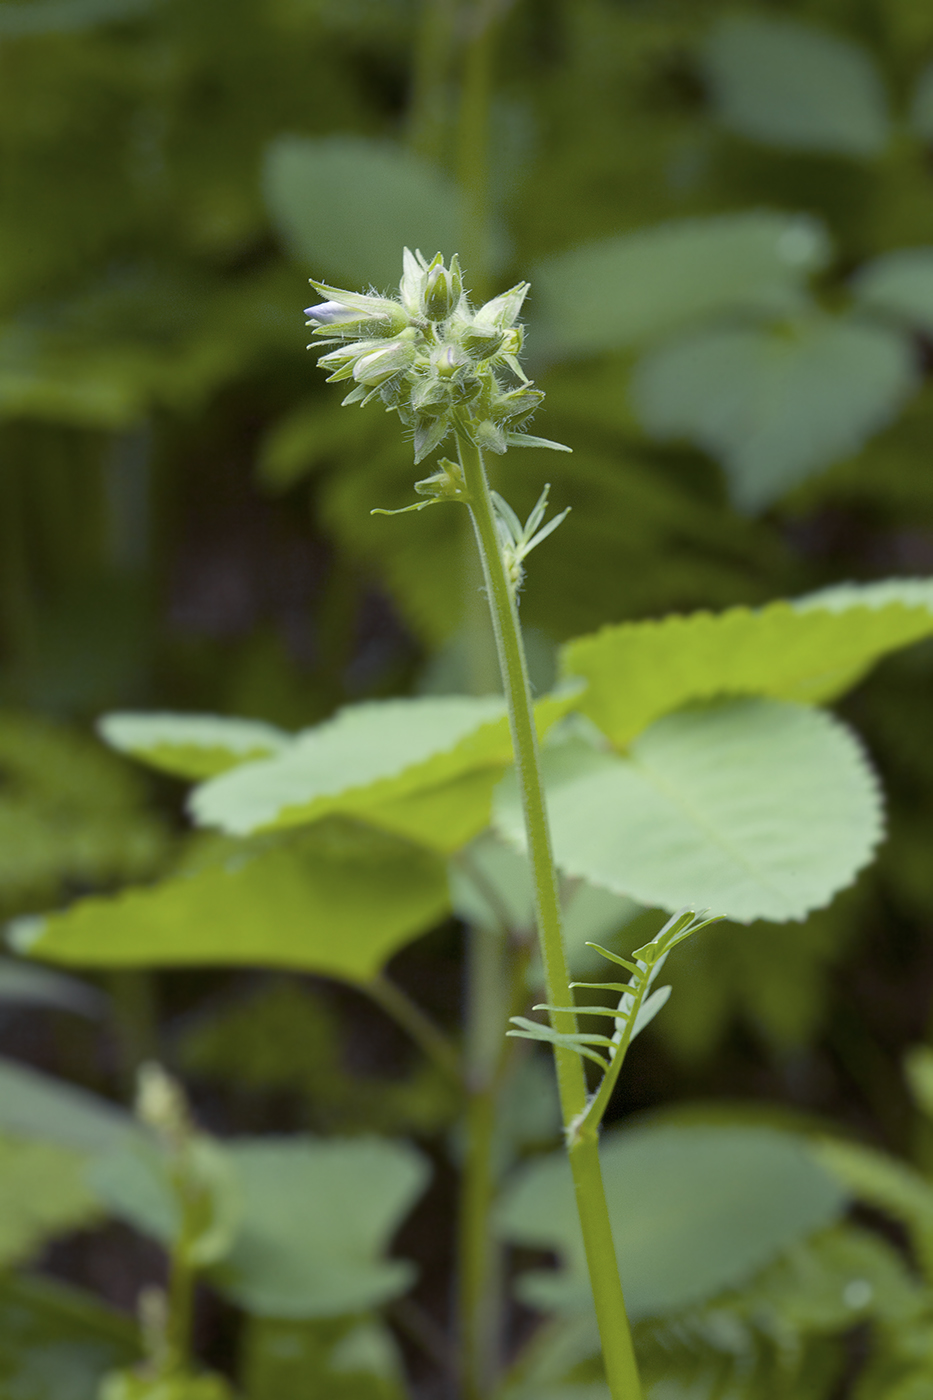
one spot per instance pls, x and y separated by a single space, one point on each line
775 406
754 809
796 86
626 290
695 1210
338 902
42 1194
900 285
191 746
811 649
317 1218
347 205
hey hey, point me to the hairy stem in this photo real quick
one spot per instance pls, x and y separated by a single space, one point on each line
615 1334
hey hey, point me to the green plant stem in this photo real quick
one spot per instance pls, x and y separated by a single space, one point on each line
583 1146
491 973
428 108
134 998
423 1031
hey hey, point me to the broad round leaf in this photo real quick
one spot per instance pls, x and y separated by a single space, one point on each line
694 1210
776 406
900 284
795 86
366 755
753 809
339 904
57 1341
347 206
191 746
34 1105
67 16
921 107
623 291
813 648
42 1194
317 1218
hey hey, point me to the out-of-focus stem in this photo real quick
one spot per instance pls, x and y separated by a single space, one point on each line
430 89
473 141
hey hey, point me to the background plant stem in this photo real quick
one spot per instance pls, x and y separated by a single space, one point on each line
473 142
615 1334
430 90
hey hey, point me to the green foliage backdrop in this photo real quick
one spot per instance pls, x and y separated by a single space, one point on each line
725 214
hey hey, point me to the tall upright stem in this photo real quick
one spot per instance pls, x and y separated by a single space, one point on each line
583 1147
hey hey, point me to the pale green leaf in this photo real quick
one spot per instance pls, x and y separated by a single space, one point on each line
317 1219
491 886
921 108
367 754
775 406
892 1186
67 16
338 902
23 981
753 809
694 1210
346 206
34 1105
900 285
795 86
342 1358
56 1342
812 649
42 1194
625 290
444 817
191 746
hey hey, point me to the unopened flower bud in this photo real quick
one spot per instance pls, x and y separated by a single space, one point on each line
482 342
390 359
161 1104
443 289
502 311
446 361
518 403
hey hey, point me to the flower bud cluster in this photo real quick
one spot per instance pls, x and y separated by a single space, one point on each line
430 357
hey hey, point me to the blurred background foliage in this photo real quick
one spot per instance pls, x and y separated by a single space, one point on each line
725 213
